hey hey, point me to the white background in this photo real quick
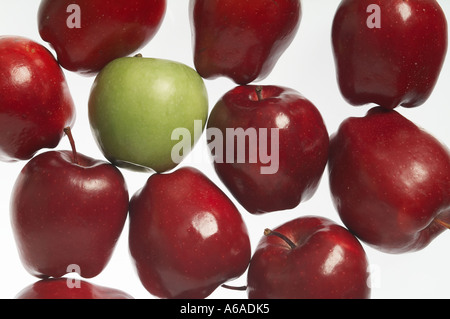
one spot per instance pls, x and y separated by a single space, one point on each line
308 67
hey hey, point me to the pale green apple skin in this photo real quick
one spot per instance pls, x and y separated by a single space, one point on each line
136 103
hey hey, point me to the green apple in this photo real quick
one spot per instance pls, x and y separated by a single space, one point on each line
135 106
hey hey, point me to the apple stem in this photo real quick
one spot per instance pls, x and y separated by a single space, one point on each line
442 223
258 91
240 288
72 144
268 232
139 55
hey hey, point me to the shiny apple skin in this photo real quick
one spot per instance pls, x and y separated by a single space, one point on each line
328 262
186 237
242 40
395 65
59 289
390 181
35 101
109 30
65 214
302 146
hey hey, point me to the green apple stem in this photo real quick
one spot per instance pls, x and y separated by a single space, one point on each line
139 55
258 91
268 232
72 144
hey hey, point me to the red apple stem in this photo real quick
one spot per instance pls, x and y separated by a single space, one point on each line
268 232
239 288
72 144
258 91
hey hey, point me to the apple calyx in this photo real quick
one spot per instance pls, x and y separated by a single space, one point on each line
68 132
269 232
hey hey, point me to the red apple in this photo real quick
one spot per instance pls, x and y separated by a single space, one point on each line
88 34
67 210
390 181
35 102
65 288
309 258
270 146
186 237
389 52
241 40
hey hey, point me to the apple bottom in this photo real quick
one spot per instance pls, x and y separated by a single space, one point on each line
383 228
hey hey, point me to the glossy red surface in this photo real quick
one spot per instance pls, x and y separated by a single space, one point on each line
298 155
241 40
186 237
396 64
65 214
108 30
328 262
390 181
67 288
35 102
